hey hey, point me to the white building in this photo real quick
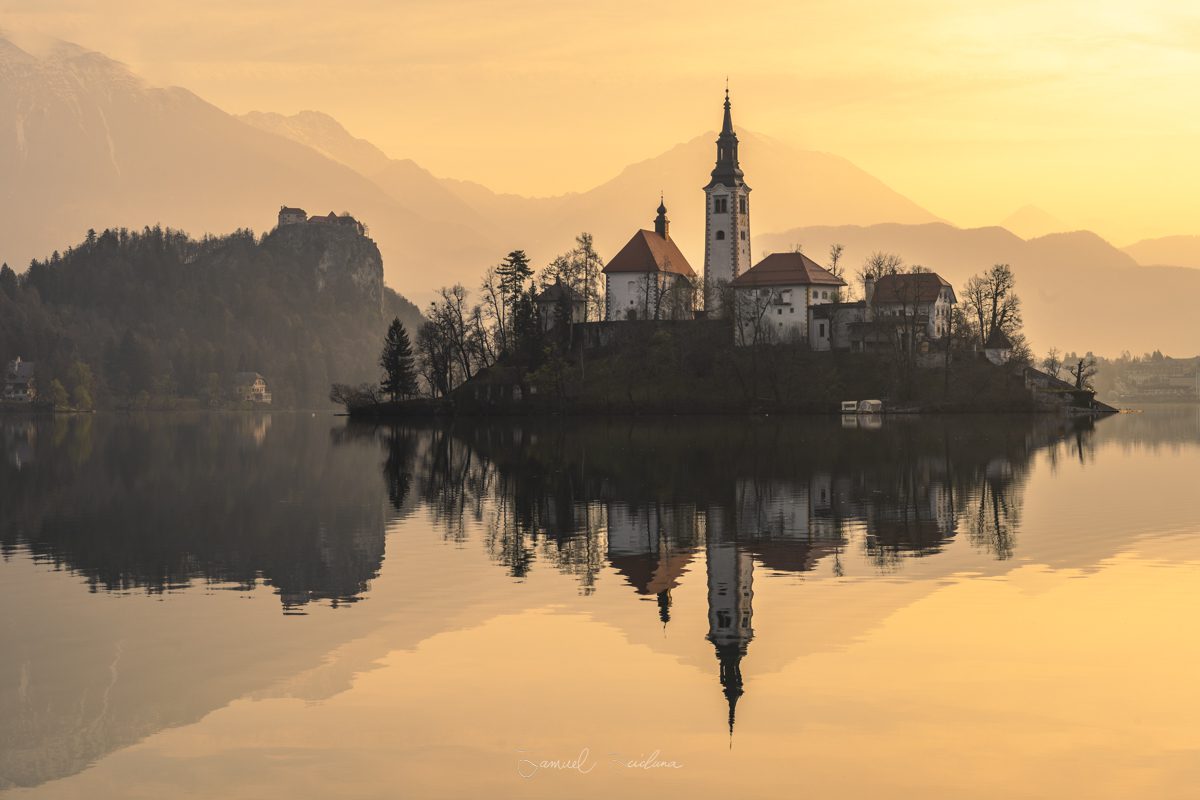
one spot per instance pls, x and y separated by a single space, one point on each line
649 278
726 218
773 300
998 347
927 295
897 308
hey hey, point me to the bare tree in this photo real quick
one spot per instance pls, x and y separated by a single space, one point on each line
992 302
1052 365
1082 370
879 264
435 359
495 307
580 269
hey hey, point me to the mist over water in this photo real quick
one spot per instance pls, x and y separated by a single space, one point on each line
220 603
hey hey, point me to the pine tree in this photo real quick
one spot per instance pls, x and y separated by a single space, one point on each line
399 366
514 270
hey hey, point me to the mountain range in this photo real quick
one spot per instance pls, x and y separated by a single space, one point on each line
86 143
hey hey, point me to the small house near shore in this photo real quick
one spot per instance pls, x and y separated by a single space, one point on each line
20 385
250 387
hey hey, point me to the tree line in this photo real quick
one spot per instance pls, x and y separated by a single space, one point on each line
157 318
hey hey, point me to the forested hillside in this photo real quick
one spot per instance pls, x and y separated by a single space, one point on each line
157 317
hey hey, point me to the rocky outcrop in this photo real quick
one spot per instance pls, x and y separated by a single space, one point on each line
338 260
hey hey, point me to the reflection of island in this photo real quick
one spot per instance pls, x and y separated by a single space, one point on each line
646 497
158 504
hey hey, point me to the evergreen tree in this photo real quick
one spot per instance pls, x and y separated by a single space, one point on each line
513 271
8 281
399 366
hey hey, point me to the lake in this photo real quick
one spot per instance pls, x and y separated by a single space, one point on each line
251 605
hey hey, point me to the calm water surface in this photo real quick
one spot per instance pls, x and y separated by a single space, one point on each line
290 605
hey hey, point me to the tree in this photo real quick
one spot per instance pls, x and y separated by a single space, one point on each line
397 362
81 381
352 397
837 270
57 394
879 264
993 304
455 332
1082 370
8 281
590 265
527 332
580 270
435 359
502 286
1052 365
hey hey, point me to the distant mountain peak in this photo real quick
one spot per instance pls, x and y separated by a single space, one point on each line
1030 221
323 133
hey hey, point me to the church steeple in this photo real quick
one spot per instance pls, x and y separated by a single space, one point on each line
727 172
727 217
730 658
662 225
730 613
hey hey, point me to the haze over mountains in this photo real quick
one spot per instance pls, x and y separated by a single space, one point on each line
85 143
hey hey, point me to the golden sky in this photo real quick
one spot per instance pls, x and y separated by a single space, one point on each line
1086 109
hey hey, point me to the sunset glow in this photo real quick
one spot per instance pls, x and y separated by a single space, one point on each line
973 110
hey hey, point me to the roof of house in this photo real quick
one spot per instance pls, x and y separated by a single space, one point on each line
787 269
921 287
248 377
996 340
649 252
290 210
20 370
553 292
1047 379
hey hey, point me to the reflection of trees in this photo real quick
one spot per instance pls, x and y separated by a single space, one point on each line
993 517
791 492
158 502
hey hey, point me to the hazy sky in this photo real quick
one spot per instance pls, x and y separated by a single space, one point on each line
1086 109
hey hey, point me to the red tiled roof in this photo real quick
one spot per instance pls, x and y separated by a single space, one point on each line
787 269
649 252
923 287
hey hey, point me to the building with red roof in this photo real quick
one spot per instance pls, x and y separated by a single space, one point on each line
649 278
773 300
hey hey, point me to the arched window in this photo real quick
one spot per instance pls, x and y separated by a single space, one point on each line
720 235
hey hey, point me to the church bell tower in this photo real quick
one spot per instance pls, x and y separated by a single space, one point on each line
727 217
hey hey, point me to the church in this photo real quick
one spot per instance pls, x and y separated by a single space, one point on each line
649 278
784 298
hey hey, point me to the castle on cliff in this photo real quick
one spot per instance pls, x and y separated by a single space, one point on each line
298 216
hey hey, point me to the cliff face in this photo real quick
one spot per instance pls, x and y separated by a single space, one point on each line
336 260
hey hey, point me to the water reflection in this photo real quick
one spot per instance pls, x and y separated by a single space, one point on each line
300 505
649 498
158 503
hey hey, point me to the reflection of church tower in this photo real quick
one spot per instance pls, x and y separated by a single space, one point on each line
727 217
730 592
